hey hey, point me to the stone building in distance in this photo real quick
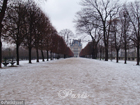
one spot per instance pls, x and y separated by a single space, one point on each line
76 47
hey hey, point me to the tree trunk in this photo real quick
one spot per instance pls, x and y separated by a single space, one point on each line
30 54
37 55
105 41
106 53
100 53
58 56
51 56
2 13
42 55
47 55
0 47
54 55
94 50
125 59
17 53
138 55
93 54
111 57
117 56
64 56
111 53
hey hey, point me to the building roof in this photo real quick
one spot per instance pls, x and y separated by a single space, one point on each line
76 42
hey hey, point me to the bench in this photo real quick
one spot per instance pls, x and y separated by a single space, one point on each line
5 63
12 63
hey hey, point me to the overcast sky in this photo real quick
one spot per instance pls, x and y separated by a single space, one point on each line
62 13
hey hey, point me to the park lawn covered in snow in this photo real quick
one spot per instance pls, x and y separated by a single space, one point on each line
73 81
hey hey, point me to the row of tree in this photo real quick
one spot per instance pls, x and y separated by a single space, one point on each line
26 25
9 54
87 50
110 25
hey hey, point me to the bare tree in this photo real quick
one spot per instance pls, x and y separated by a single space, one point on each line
31 20
39 32
102 11
14 25
2 13
133 11
48 40
125 26
88 25
67 35
117 36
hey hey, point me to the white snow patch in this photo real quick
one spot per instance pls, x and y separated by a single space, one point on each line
106 83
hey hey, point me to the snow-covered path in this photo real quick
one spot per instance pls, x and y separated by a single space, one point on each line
80 81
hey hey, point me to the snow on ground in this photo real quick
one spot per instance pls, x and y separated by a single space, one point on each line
74 81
